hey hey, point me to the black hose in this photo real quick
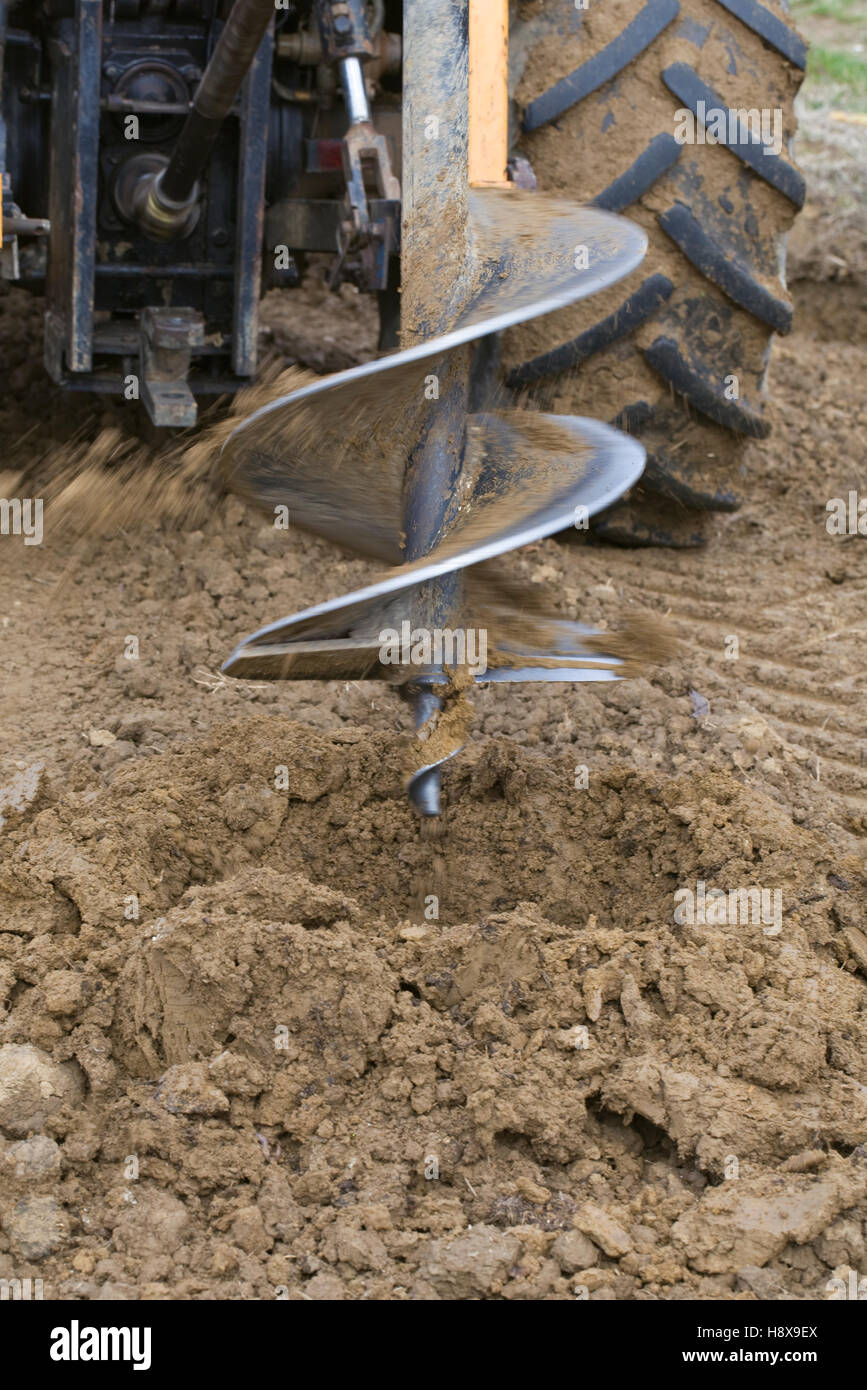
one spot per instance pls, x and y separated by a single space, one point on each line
230 61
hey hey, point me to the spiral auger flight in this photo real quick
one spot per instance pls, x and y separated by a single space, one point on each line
416 459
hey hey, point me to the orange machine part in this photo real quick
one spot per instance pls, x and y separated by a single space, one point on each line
489 93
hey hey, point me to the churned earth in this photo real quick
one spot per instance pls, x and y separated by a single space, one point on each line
264 1035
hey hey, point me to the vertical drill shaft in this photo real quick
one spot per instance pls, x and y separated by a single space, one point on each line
433 269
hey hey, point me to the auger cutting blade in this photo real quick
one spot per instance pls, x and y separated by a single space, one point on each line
368 456
525 476
335 452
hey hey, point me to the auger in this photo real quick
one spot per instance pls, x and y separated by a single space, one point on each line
418 458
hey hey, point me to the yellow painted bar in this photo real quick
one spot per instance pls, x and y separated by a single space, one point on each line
488 109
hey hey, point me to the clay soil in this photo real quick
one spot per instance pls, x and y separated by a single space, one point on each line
242 1057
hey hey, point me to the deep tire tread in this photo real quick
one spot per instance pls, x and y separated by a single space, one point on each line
728 228
688 87
768 27
599 69
633 311
667 478
651 164
733 279
699 388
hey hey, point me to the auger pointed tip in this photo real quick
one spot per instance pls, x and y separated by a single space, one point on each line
424 792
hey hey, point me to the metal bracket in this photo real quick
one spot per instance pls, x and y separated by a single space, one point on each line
365 244
313 224
75 117
255 98
9 265
167 337
343 30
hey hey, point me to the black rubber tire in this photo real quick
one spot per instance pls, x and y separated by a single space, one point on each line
596 94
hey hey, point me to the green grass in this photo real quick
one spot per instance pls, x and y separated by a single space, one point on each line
844 73
846 11
832 152
836 69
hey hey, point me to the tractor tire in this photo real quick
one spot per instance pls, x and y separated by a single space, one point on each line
678 352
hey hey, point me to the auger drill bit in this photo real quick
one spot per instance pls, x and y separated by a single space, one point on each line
393 459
